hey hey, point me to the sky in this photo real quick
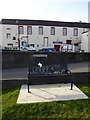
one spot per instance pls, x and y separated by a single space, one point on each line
56 10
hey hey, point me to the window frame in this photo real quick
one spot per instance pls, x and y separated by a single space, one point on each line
29 33
75 32
40 30
8 35
8 28
10 45
20 30
51 31
64 32
14 38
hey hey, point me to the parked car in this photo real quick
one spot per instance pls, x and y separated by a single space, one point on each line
47 49
26 47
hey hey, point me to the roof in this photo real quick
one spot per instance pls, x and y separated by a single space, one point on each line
45 23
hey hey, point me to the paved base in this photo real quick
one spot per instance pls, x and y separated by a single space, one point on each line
49 92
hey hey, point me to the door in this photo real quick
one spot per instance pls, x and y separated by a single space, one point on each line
45 42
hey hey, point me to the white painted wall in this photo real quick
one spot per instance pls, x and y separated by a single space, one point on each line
14 33
38 39
89 41
84 45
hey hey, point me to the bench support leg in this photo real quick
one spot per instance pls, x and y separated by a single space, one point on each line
28 89
71 86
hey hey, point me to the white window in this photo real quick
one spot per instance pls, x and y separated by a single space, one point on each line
75 32
8 28
10 45
52 30
14 38
8 36
21 30
64 31
40 30
29 30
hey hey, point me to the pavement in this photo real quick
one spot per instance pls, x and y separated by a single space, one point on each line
79 67
21 73
48 93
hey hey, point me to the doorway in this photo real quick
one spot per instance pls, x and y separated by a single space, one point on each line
45 42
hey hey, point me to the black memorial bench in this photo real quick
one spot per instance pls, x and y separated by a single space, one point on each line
49 74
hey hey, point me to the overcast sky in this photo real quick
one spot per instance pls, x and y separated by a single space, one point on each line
59 10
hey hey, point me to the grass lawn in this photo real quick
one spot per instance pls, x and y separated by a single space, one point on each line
63 109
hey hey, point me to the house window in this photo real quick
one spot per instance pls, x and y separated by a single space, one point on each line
8 28
10 45
75 32
8 36
14 38
64 31
52 30
29 30
21 30
40 30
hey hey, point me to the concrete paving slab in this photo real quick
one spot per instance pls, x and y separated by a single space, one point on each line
48 93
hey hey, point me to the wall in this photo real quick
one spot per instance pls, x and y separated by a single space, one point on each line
38 39
13 30
86 41
17 59
84 44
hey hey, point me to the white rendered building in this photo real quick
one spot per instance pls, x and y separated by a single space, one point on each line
39 33
85 46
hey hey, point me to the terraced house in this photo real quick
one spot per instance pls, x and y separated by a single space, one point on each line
40 34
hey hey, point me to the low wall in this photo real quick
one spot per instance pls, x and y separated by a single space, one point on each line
77 78
17 59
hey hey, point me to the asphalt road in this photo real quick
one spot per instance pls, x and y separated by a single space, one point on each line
21 73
